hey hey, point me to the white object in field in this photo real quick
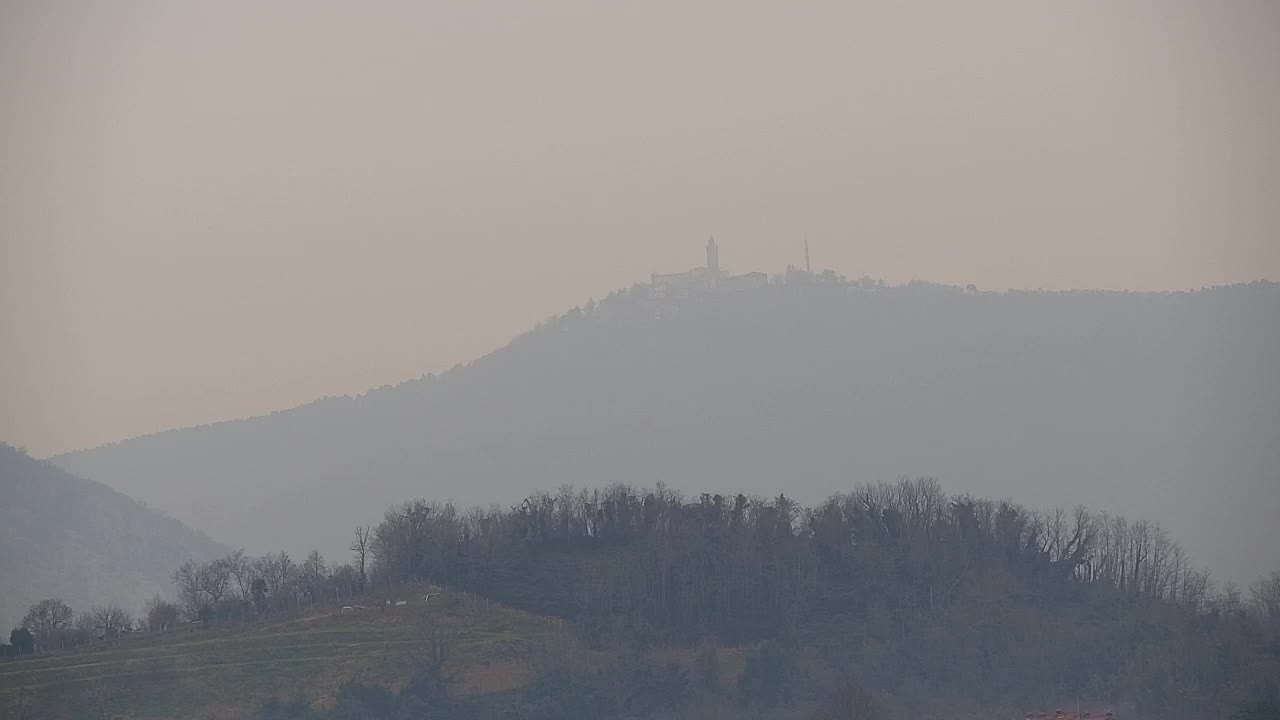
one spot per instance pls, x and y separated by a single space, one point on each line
348 608
401 602
428 596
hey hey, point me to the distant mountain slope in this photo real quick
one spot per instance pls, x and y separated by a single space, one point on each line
63 536
1164 405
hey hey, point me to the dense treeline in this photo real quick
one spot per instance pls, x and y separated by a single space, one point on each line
921 593
691 563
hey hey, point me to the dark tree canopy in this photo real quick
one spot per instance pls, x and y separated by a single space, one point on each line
22 640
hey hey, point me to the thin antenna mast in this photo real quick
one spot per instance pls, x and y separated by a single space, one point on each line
807 267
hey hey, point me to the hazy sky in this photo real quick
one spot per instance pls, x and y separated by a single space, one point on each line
217 209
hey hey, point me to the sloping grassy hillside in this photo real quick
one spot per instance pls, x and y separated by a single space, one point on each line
227 672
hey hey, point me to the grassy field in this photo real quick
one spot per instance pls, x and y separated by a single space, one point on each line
225 672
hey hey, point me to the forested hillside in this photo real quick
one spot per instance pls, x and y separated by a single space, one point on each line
893 600
65 537
1164 405
920 594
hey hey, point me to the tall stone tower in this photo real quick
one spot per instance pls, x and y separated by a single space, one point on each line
713 262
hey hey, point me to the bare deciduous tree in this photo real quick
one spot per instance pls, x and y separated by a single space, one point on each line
313 575
190 593
215 579
1264 595
237 563
46 618
162 615
278 571
434 673
111 619
360 546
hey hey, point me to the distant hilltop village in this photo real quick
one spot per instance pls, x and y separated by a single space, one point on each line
703 279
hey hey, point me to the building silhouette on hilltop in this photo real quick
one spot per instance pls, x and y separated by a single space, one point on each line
701 280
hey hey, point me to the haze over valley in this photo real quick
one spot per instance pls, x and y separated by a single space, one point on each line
837 360
1158 405
80 541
